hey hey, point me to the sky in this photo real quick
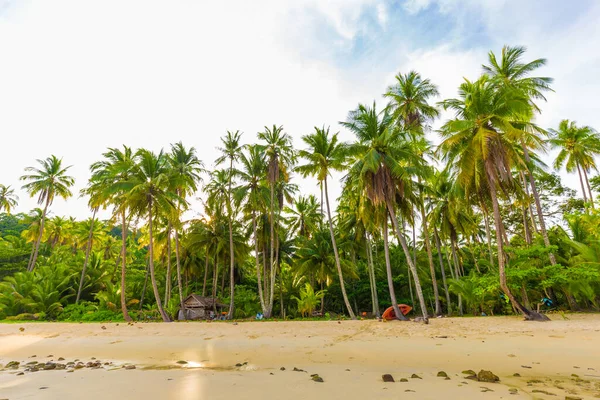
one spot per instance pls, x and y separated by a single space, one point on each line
79 76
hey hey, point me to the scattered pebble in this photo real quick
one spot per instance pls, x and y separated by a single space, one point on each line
282 369
442 374
415 376
487 376
403 380
387 378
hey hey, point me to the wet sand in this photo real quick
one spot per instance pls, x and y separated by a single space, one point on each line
350 356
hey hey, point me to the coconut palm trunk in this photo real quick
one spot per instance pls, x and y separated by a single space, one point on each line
178 262
529 315
36 248
205 273
258 277
336 253
442 269
372 281
538 205
390 278
271 252
168 274
411 265
87 256
436 294
162 312
587 182
581 182
126 316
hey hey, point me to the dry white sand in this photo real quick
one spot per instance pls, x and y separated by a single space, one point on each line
350 356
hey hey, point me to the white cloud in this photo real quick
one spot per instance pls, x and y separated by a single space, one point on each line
78 76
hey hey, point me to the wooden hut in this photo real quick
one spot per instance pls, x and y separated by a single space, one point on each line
198 307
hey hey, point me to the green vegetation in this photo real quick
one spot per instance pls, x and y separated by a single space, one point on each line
478 223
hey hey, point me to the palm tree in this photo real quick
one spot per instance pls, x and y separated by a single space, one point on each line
97 193
578 146
409 102
8 199
149 195
303 217
324 155
280 156
253 194
383 165
513 74
475 142
47 182
110 179
410 109
230 151
185 170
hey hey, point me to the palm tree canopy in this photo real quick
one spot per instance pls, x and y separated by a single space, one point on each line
511 72
323 155
578 146
8 199
49 180
408 105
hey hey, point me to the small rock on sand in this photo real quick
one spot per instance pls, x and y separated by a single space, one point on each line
487 376
387 378
442 374
415 376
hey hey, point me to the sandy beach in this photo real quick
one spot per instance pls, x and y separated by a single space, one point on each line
554 360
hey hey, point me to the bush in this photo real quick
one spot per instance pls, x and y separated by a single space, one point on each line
88 312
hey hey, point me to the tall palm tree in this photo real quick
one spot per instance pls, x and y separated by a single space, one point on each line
303 217
253 194
185 169
47 182
410 109
383 165
231 152
476 143
149 194
97 199
409 102
511 73
324 155
280 156
110 178
8 199
578 146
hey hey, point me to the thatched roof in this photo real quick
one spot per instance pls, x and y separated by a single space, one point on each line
194 300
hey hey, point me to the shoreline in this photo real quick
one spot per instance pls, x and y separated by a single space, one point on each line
350 356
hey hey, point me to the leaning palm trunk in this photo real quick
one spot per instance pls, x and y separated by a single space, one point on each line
179 283
587 182
436 294
581 182
388 269
126 316
87 256
162 312
168 274
457 273
528 314
538 206
258 277
36 248
372 281
412 267
442 269
336 254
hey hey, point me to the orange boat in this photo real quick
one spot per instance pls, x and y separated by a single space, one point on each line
389 314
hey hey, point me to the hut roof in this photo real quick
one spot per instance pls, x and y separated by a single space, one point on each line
194 300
